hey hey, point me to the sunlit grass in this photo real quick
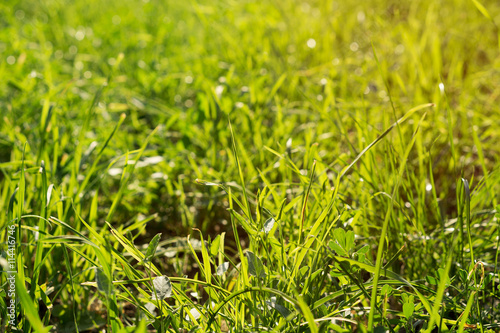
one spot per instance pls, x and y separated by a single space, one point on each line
280 166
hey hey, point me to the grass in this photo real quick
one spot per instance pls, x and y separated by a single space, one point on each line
244 166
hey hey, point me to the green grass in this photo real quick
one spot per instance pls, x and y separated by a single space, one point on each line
283 166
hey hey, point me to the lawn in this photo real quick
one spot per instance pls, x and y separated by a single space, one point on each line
250 166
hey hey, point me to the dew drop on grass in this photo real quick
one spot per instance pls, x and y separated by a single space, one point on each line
311 43
114 171
219 90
